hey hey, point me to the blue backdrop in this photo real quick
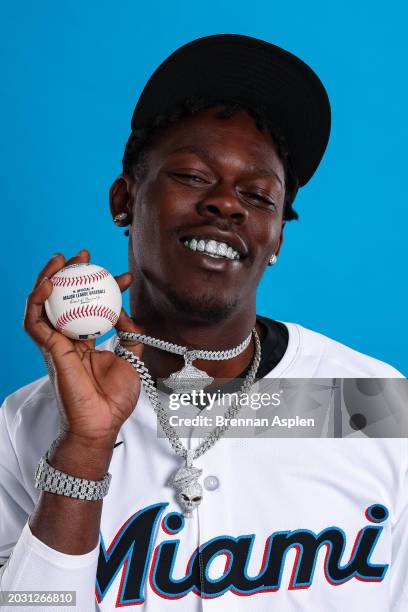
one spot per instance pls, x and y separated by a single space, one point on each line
71 75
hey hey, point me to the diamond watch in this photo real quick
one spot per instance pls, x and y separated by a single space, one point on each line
52 480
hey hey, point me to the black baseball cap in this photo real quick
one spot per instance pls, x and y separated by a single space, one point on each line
253 73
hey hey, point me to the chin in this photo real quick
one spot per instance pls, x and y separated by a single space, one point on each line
208 308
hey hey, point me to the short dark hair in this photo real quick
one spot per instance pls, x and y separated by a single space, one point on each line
135 155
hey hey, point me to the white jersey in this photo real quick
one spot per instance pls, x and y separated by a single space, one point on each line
298 524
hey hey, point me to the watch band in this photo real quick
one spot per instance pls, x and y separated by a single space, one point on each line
52 480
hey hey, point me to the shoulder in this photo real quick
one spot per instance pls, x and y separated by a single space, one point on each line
31 412
329 357
37 395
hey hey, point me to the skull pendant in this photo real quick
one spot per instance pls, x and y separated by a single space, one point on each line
190 498
190 492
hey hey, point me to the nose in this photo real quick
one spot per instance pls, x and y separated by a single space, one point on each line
222 202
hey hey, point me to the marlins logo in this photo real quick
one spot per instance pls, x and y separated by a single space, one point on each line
132 549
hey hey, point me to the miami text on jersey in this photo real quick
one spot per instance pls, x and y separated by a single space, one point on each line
132 549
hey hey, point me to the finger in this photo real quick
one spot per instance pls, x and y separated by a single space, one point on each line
35 302
86 344
35 324
124 281
126 324
66 354
83 256
57 262
54 265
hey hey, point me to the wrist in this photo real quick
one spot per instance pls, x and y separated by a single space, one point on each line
94 444
73 456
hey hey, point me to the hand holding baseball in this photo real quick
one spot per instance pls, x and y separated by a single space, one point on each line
97 390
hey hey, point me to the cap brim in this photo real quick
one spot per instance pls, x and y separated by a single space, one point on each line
254 73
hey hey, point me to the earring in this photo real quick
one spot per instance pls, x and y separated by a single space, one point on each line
272 260
117 219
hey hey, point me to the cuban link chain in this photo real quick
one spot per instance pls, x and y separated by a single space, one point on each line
185 479
189 376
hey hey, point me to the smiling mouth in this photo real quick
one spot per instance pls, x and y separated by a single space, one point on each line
211 247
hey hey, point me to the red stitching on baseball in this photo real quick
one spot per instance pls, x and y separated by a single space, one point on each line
74 281
83 311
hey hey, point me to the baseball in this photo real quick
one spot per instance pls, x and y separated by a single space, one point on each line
85 301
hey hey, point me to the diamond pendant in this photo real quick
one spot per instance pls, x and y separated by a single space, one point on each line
188 378
190 492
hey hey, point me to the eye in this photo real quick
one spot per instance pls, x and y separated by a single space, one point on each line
259 197
184 177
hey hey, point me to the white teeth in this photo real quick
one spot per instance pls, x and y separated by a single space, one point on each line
212 247
222 248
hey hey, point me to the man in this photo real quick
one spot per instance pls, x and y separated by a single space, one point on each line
225 131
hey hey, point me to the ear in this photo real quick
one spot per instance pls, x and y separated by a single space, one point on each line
280 240
120 200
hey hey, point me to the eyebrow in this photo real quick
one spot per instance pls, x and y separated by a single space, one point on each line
210 157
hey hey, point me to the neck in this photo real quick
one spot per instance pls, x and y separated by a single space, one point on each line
195 334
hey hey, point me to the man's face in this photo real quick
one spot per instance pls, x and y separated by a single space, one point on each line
207 179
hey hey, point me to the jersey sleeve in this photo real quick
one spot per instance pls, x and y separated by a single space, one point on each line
15 503
28 564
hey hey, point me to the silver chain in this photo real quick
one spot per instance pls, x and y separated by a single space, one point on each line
183 350
160 411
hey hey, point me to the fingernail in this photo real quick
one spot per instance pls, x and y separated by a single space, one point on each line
43 280
55 255
80 252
